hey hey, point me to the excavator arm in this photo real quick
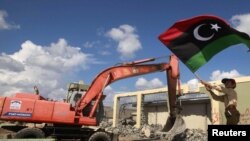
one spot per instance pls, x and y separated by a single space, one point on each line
126 70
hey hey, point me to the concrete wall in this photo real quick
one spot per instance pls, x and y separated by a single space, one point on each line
156 113
244 102
198 114
195 114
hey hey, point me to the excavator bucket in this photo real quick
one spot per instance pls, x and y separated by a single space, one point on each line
173 127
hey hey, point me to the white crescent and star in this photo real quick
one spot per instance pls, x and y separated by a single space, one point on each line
202 38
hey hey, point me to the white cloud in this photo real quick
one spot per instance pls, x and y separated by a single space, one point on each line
48 67
110 93
57 57
57 93
143 84
89 44
3 23
6 62
218 74
104 53
192 85
128 42
241 22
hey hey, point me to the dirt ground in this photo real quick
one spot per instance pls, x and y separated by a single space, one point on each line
4 133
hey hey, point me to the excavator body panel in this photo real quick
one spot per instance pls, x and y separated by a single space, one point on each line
33 108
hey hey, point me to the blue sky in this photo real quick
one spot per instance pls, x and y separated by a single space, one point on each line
51 43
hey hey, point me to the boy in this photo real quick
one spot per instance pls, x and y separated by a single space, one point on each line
229 98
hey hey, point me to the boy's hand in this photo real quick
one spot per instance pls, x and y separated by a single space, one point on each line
207 85
208 88
203 82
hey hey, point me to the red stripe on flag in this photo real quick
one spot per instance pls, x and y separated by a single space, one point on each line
170 35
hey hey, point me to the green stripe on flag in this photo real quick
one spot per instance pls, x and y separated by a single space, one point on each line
199 59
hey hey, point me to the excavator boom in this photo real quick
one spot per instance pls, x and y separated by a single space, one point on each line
126 70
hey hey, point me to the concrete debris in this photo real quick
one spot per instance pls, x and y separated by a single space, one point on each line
131 132
191 135
150 132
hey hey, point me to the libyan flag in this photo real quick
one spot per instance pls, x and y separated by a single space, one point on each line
195 41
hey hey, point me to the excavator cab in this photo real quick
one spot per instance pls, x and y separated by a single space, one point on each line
75 92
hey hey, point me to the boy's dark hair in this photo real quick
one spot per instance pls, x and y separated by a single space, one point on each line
225 80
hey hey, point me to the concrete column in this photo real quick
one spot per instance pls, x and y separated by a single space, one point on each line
138 111
116 111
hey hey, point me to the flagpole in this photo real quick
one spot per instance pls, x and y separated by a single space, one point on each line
201 81
196 75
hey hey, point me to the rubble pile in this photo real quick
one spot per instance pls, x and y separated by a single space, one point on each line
151 132
192 135
130 131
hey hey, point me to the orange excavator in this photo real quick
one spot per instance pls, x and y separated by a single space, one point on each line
78 114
